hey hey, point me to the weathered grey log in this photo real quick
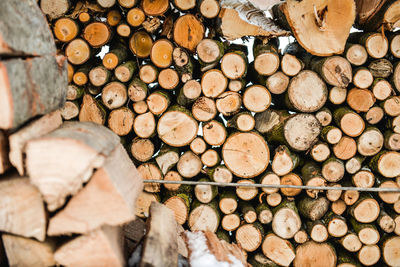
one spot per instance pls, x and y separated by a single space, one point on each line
24 29
31 87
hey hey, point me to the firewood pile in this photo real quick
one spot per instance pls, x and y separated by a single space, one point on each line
66 189
190 102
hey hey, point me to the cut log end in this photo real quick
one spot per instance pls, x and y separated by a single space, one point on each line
242 148
315 253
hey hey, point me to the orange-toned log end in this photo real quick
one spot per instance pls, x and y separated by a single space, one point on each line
315 254
77 51
246 154
6 101
188 32
123 30
321 27
110 61
361 100
161 53
65 29
70 70
135 17
155 8
97 34
140 44
114 17
84 17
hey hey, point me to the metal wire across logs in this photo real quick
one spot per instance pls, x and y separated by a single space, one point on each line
344 188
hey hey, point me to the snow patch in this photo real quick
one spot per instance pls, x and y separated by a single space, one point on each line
200 255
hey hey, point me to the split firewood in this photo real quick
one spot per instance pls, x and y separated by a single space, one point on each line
21 202
161 238
91 142
188 103
36 129
26 252
91 110
103 246
83 213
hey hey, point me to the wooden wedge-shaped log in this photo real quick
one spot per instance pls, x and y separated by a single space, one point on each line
24 29
161 239
37 128
60 162
102 247
27 252
21 208
108 198
31 87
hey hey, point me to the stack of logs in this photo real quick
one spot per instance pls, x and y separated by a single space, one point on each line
58 179
190 107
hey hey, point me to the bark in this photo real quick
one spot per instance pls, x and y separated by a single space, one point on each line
313 209
21 98
24 30
4 151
